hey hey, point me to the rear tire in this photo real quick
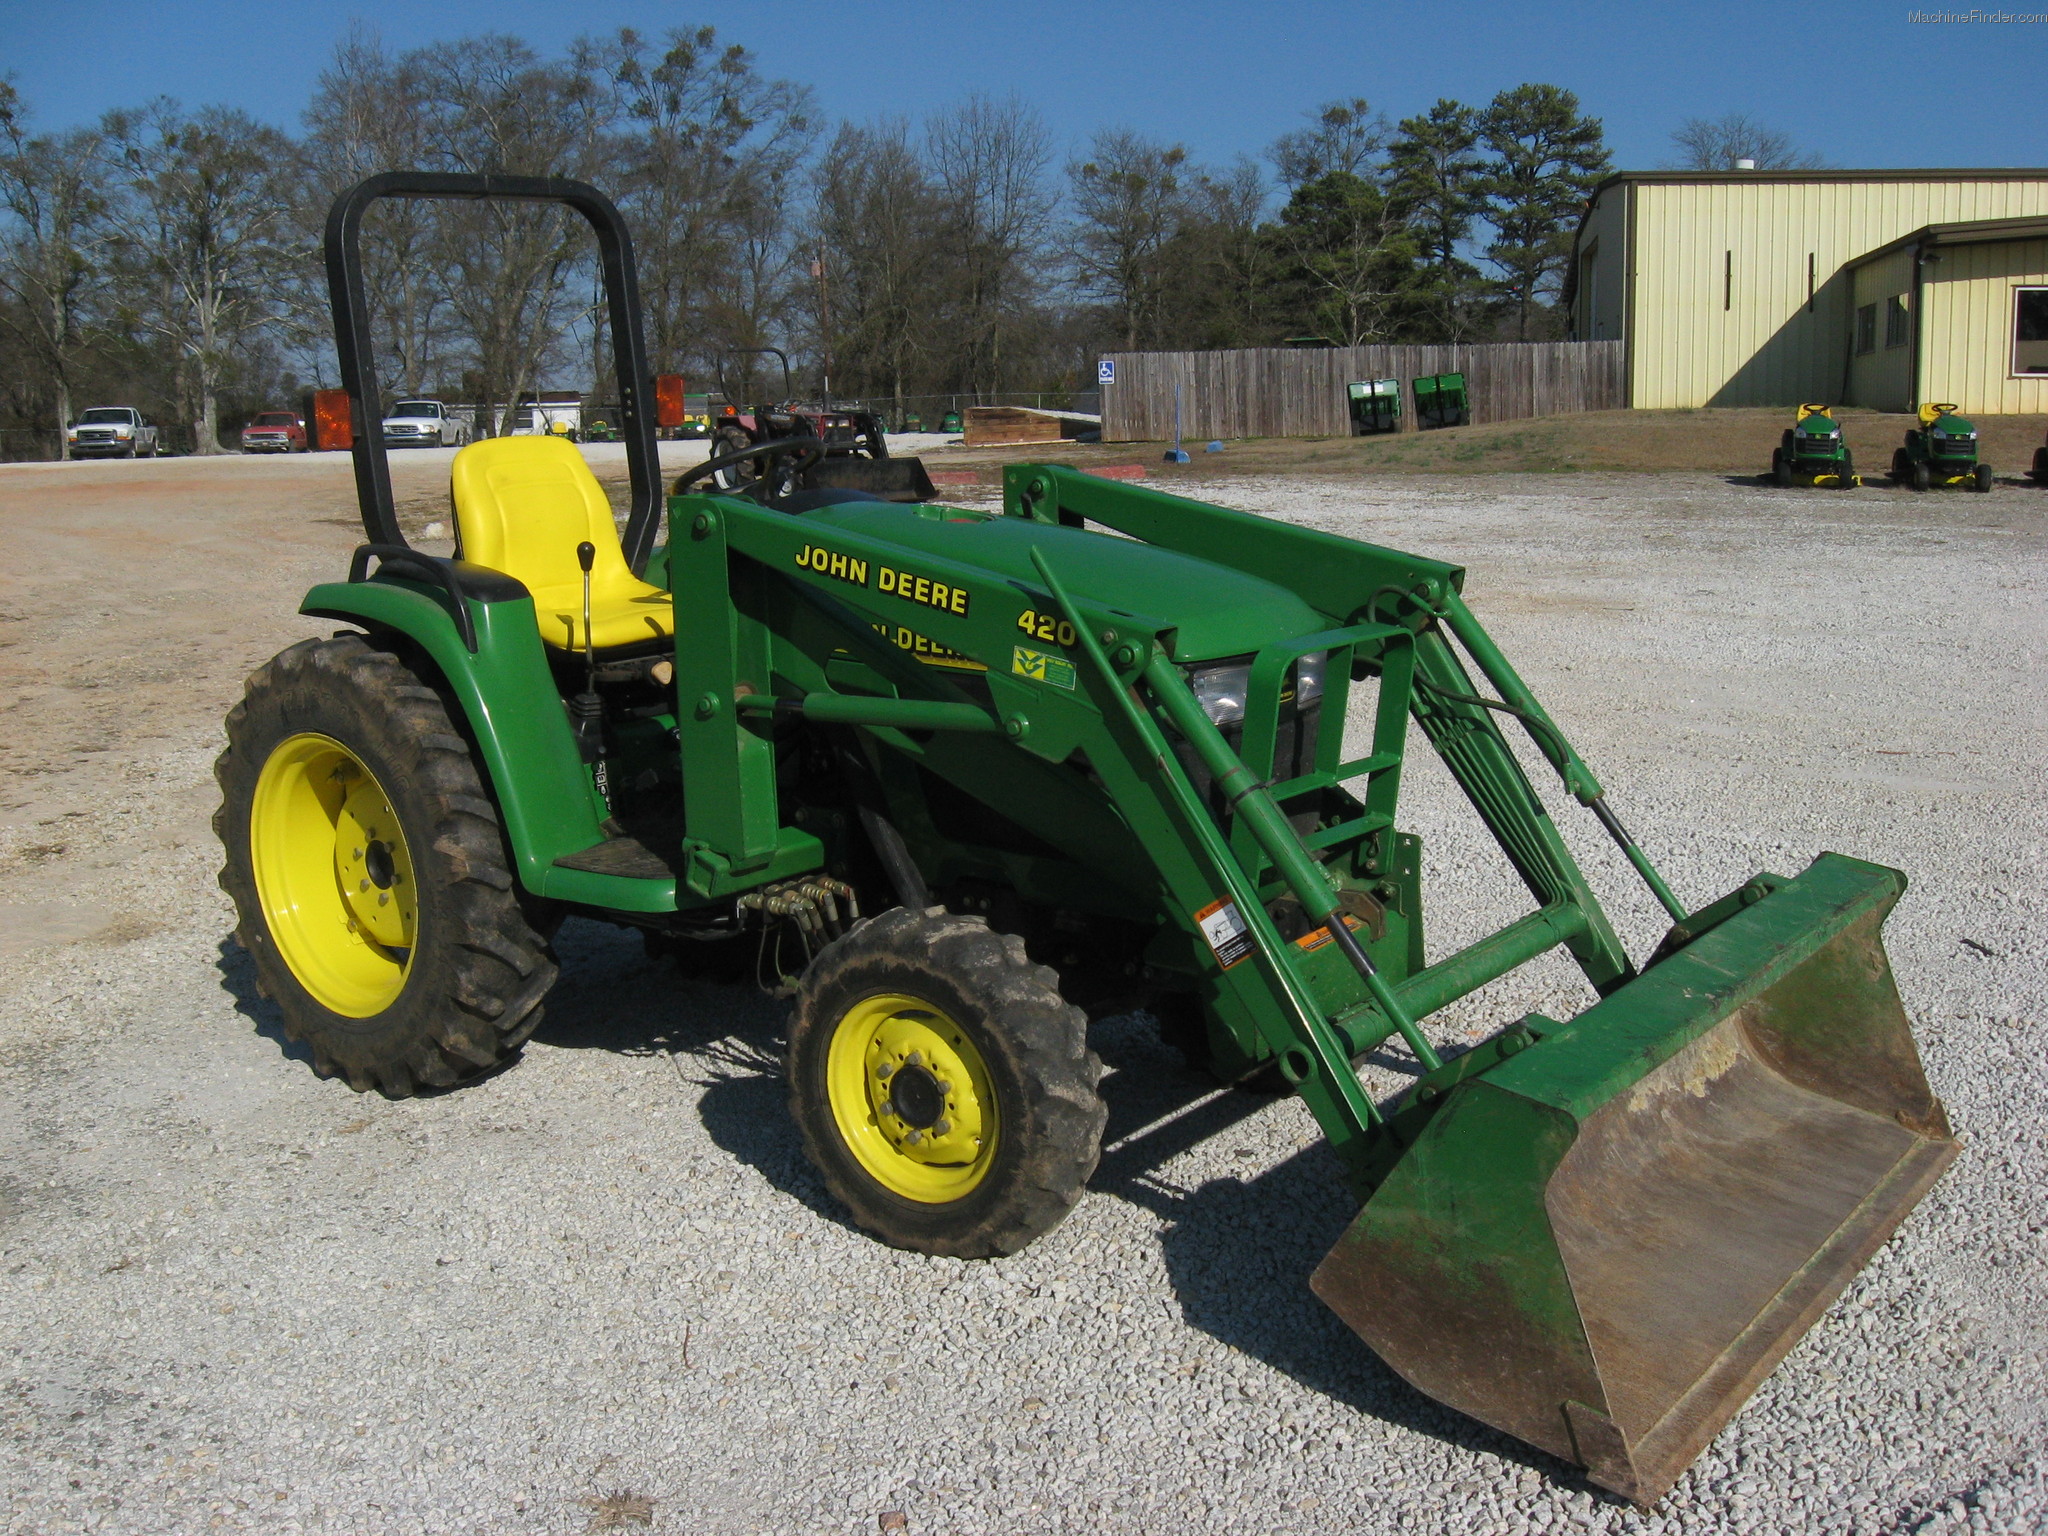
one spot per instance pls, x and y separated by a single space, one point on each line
1847 470
943 1087
1901 470
341 763
2040 469
729 440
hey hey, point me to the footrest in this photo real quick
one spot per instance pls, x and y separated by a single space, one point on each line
625 856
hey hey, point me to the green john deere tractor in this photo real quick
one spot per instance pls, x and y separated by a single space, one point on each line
1812 451
959 778
1941 451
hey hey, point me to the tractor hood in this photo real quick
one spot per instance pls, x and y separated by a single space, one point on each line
1216 611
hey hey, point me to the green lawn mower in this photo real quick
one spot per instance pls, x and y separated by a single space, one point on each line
1941 451
956 780
1812 451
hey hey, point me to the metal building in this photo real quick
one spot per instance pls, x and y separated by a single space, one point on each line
1760 287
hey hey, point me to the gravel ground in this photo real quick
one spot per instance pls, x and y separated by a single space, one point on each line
604 1287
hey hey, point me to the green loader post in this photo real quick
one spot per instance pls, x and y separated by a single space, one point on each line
956 779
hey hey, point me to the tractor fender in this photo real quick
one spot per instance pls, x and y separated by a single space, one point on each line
507 700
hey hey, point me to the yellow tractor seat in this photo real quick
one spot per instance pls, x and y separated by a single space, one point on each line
1929 413
522 505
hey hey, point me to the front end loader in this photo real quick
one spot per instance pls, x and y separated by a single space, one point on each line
954 778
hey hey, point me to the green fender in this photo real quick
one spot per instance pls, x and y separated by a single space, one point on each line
543 793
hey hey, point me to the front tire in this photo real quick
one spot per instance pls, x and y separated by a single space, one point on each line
370 876
1781 472
1921 477
943 1087
1983 480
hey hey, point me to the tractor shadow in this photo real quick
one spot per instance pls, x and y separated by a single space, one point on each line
723 1040
238 979
1239 1250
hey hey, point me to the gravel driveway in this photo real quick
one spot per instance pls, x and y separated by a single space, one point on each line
603 1290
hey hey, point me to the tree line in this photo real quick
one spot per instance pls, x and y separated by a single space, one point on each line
169 258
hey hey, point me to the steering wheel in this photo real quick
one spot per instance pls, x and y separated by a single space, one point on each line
782 463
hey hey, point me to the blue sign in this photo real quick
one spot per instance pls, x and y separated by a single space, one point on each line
1105 371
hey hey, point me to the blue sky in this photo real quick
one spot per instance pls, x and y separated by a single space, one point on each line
1859 83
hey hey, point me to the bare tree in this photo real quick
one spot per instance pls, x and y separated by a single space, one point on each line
368 114
1344 136
1351 256
492 106
873 230
201 217
54 193
705 151
1717 144
989 159
1133 204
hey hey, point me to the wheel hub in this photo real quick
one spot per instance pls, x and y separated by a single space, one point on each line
912 1097
916 1097
334 875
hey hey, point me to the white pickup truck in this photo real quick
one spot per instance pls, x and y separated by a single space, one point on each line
111 432
423 424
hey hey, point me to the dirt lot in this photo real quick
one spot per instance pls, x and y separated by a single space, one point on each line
605 1285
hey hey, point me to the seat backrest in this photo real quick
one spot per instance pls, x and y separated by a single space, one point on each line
523 504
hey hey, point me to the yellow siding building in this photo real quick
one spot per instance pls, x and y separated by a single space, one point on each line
1775 287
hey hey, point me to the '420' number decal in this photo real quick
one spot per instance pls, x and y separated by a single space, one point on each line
1045 628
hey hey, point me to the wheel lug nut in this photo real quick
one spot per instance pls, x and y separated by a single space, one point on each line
363 885
943 1128
383 898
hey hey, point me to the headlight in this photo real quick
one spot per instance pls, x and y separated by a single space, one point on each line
1308 678
1220 689
1220 686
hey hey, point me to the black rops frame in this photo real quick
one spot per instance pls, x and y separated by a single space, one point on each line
354 348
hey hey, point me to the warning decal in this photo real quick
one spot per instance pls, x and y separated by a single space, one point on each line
1316 940
1225 930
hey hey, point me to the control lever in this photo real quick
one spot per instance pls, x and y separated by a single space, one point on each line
586 709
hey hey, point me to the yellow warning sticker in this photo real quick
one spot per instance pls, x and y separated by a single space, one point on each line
1042 667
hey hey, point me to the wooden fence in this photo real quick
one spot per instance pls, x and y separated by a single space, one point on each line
1300 391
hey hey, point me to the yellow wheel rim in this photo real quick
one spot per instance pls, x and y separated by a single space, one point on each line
912 1098
334 875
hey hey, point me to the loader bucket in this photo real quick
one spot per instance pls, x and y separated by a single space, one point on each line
1602 1244
892 479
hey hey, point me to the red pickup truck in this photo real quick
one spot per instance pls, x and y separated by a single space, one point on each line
274 432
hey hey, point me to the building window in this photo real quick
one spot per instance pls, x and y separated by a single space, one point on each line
2030 330
1866 329
1896 331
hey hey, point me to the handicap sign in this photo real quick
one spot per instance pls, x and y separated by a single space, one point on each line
1105 371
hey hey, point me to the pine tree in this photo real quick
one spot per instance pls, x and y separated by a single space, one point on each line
1434 181
1545 160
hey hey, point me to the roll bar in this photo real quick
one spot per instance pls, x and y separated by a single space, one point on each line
354 349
